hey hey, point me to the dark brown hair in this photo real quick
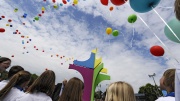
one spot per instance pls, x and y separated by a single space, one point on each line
3 59
14 70
73 90
16 80
44 83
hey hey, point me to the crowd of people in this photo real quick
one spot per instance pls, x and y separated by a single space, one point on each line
14 86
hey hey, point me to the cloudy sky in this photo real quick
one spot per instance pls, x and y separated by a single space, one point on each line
73 31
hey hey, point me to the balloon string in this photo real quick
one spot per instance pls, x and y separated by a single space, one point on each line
166 24
123 36
158 38
171 62
132 37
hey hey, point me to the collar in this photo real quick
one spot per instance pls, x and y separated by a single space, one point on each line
18 87
172 94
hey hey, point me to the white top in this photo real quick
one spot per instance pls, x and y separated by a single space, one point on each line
62 87
177 83
168 98
13 94
3 84
35 97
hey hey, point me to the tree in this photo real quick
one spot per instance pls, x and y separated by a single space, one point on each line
33 78
98 95
151 92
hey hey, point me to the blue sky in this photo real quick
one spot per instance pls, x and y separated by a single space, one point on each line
73 31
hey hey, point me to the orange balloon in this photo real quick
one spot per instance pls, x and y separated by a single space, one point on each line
111 8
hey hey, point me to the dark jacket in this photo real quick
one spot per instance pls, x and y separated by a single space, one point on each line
56 93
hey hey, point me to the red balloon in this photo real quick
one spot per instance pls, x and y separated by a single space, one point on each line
9 20
54 1
104 2
3 16
64 1
40 15
157 51
2 30
118 2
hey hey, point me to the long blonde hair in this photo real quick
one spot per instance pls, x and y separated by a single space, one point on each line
16 80
44 83
177 9
120 91
169 79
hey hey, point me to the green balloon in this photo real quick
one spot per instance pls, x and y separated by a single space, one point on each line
132 18
174 24
115 33
36 18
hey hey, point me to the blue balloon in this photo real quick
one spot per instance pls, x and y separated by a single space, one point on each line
61 4
143 6
22 41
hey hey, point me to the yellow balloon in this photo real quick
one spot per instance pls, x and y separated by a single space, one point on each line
75 1
108 30
43 9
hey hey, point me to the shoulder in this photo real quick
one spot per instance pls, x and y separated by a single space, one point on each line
166 99
3 84
35 97
14 94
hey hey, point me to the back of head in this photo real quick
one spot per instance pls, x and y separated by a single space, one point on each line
177 9
120 91
14 70
3 59
73 90
16 80
44 83
169 79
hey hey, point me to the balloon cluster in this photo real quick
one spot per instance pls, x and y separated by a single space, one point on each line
110 31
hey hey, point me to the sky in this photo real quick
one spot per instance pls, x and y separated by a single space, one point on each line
74 31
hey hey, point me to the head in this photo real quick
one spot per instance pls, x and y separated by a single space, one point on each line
73 90
64 82
19 79
120 91
177 9
14 70
44 83
167 81
4 63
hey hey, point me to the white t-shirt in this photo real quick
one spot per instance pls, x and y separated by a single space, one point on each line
13 94
3 84
35 97
177 83
168 98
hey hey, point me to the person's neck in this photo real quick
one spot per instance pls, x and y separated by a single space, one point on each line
168 90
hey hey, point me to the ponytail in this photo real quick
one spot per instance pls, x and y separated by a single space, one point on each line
18 79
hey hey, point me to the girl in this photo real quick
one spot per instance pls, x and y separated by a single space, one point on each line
41 89
167 82
14 88
120 91
4 64
73 90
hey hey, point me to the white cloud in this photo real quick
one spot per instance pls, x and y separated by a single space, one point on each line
70 34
